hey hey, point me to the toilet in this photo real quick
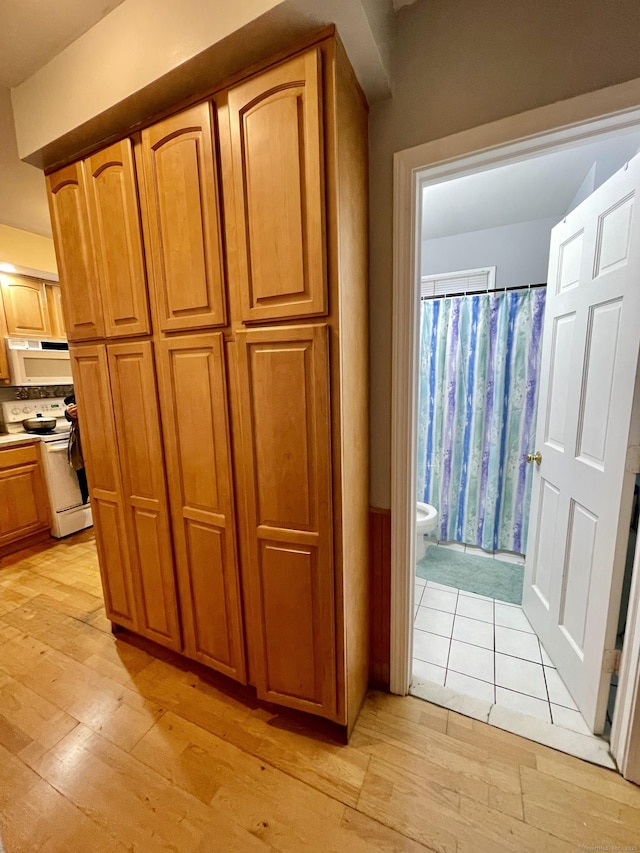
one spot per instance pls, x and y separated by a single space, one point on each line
426 520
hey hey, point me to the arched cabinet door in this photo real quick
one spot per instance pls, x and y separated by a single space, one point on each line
74 250
276 140
114 219
25 306
182 203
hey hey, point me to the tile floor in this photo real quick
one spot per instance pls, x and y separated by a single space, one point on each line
487 649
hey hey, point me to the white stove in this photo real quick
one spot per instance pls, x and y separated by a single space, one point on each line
15 411
68 513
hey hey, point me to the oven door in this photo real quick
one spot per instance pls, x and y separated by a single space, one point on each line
64 492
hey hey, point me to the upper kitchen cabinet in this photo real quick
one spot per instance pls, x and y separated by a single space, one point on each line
56 316
25 306
276 140
114 220
182 201
76 263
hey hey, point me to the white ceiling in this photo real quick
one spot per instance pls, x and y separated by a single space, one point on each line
539 188
33 31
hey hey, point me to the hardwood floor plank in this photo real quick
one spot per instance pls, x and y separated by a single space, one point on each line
287 814
46 821
605 783
577 815
108 744
327 765
134 803
36 718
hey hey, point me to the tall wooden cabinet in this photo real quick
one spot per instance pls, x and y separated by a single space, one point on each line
214 275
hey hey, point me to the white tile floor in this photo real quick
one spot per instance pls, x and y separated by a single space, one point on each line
487 649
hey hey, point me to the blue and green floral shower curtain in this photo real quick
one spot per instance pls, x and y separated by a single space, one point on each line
479 366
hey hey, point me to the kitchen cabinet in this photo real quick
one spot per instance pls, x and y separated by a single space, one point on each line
114 223
232 487
284 381
182 203
24 505
74 252
97 233
56 316
133 392
193 399
275 122
125 471
25 306
5 375
100 448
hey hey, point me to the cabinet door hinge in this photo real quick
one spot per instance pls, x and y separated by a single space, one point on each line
611 660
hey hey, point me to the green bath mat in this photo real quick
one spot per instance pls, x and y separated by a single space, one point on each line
482 575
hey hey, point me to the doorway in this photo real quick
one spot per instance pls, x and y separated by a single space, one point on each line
410 172
479 363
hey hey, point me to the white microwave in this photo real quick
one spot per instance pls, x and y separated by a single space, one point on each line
39 362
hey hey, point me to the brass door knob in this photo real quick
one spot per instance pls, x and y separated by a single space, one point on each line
534 457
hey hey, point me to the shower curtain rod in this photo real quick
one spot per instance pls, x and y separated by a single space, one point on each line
493 290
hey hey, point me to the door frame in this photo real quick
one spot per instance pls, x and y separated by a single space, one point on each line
595 114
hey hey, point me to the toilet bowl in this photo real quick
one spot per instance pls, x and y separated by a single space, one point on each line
426 520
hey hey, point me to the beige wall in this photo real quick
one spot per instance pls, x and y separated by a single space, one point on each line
136 44
145 56
30 252
457 64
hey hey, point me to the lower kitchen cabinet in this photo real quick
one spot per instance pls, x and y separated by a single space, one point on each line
24 505
193 402
285 411
122 446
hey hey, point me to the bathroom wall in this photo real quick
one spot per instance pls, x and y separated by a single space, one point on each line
519 252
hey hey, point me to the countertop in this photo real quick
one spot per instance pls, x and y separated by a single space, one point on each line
9 440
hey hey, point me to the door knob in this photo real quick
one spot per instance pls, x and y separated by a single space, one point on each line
534 457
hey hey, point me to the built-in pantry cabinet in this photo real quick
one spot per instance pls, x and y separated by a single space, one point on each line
213 268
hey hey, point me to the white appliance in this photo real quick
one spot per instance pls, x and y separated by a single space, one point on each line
68 513
39 362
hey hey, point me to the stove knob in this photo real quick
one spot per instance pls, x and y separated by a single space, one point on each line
15 411
27 409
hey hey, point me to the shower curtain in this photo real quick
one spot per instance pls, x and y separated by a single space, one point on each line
479 366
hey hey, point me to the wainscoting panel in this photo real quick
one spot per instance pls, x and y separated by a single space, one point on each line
380 603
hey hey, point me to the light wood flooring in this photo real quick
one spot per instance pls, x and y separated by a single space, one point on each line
107 745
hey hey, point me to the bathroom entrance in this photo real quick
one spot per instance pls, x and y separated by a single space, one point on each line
480 356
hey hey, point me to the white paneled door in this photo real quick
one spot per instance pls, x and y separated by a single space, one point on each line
587 421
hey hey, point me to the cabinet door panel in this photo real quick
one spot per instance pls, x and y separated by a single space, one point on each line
115 228
24 507
135 404
182 202
276 139
196 431
25 306
284 378
54 303
74 250
98 430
